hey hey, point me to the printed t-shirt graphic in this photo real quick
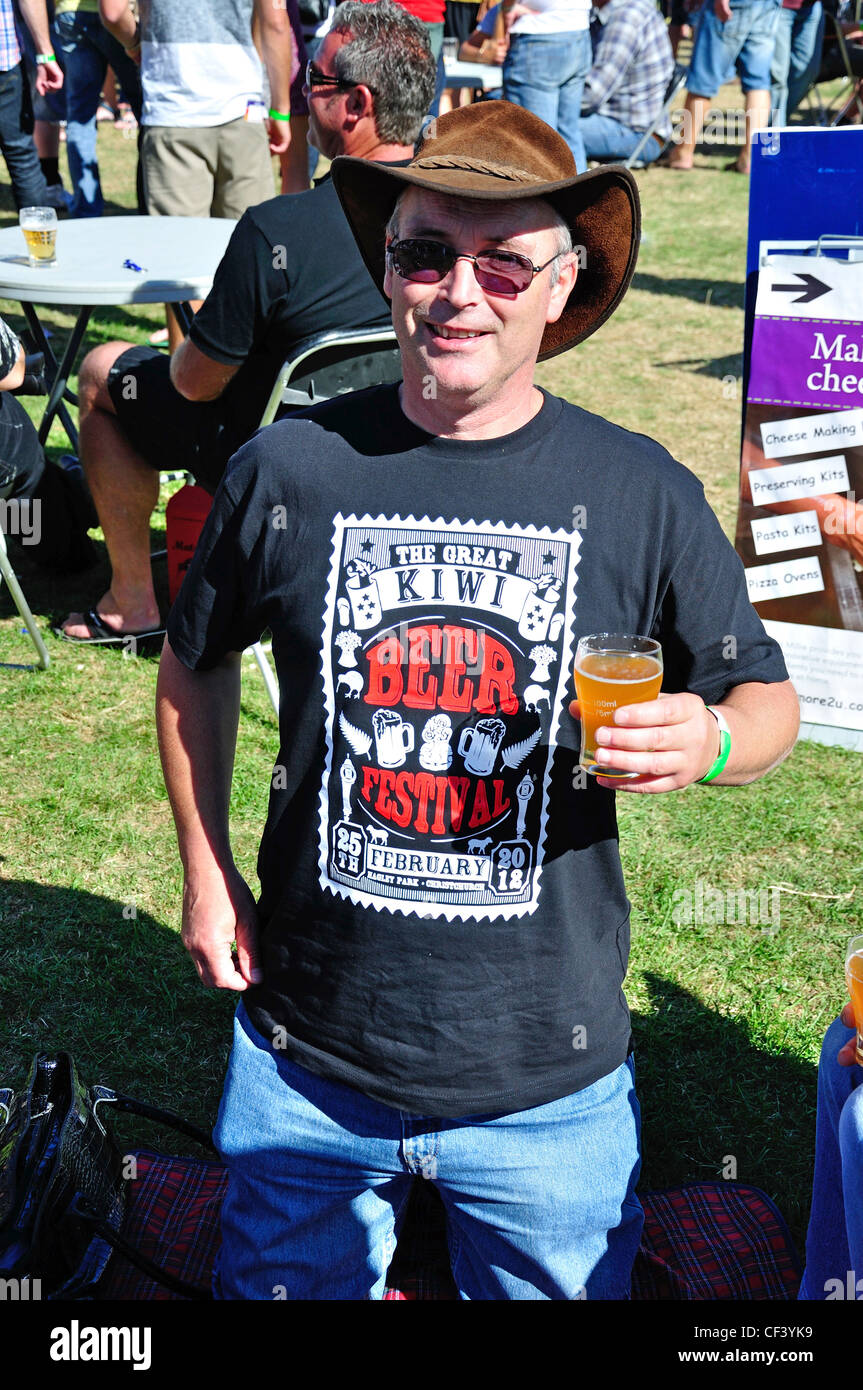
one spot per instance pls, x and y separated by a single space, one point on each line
447 649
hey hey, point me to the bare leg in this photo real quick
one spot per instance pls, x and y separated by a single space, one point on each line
694 112
46 138
677 33
757 118
125 490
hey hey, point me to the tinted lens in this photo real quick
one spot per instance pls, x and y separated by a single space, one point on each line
503 272
427 262
424 262
316 78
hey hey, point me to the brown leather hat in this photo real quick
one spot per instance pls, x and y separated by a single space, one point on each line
494 150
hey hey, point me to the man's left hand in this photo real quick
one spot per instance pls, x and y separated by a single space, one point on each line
670 742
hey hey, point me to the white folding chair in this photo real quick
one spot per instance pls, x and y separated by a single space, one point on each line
33 385
327 365
330 364
8 573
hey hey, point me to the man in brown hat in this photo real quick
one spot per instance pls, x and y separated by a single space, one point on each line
433 974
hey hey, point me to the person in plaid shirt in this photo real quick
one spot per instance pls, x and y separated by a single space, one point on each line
623 94
28 182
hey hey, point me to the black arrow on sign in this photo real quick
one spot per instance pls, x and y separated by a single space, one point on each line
812 289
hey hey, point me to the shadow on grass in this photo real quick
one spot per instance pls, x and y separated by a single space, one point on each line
714 1105
56 595
726 294
731 365
80 973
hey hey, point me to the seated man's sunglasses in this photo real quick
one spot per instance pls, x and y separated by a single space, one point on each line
497 272
316 78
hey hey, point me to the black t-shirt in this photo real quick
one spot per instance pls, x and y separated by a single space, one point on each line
291 269
445 921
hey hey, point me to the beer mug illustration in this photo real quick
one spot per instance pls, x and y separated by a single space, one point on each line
394 739
479 743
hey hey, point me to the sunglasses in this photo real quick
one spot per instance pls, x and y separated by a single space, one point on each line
429 262
316 78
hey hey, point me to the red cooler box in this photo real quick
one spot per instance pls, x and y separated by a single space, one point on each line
185 515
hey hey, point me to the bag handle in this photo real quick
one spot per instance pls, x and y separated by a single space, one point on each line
129 1105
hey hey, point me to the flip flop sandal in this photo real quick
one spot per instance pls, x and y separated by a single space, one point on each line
104 636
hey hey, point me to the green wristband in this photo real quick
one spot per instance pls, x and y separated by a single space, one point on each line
46 58
280 116
724 746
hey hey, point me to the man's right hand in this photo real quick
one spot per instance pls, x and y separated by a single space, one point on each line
217 912
847 1055
722 10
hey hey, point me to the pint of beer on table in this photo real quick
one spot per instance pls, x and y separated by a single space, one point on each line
39 226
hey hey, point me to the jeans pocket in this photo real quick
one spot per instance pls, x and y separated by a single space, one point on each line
67 31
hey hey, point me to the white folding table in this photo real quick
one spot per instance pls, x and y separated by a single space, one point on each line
109 260
476 75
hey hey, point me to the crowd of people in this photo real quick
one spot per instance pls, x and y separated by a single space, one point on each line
598 73
410 998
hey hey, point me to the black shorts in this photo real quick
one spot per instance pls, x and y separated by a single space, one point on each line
168 431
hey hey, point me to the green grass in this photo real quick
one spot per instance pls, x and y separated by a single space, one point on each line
728 1019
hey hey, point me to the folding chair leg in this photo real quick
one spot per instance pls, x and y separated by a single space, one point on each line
267 672
21 604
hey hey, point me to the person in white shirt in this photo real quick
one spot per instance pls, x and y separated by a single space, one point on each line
548 60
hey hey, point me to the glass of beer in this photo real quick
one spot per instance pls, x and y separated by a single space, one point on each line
854 981
612 669
39 226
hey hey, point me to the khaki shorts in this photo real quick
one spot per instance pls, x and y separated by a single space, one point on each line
206 171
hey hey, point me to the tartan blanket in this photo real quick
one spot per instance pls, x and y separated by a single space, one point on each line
700 1242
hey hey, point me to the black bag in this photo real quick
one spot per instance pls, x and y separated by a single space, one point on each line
63 1191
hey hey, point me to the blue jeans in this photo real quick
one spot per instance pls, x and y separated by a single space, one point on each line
540 1203
796 58
834 1240
545 74
25 172
744 43
84 50
606 138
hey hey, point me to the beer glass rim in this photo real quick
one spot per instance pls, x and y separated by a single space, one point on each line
51 213
851 949
612 642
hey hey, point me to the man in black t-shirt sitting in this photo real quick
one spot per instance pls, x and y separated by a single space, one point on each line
432 980
291 270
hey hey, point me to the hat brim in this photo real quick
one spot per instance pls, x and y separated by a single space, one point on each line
601 208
